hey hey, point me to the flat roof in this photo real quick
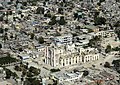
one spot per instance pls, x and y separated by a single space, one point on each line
5 83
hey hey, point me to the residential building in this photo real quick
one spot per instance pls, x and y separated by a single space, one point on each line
63 39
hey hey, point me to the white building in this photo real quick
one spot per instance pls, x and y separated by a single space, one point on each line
23 56
41 50
69 55
64 39
5 83
67 76
2 73
106 34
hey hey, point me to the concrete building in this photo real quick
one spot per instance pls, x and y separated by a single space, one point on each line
67 76
2 73
23 56
109 33
5 83
69 55
41 50
92 28
64 39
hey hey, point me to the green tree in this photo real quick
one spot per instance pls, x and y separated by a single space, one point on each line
55 82
97 38
90 30
24 3
14 75
0 45
94 42
77 27
34 70
116 63
99 20
47 15
1 8
40 10
36 82
107 65
96 14
117 31
17 68
7 60
75 15
29 74
53 21
1 30
64 1
33 2
24 72
101 1
20 49
116 49
8 74
5 37
26 82
9 11
117 24
61 4
6 29
1 18
62 21
32 35
108 49
117 0
54 70
17 1
85 73
41 40
60 10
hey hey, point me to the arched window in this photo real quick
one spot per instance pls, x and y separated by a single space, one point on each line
70 61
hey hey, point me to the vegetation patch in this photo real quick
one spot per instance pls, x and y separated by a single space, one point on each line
7 60
54 70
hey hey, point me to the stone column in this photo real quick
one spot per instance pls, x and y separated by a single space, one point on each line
61 62
68 61
71 60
